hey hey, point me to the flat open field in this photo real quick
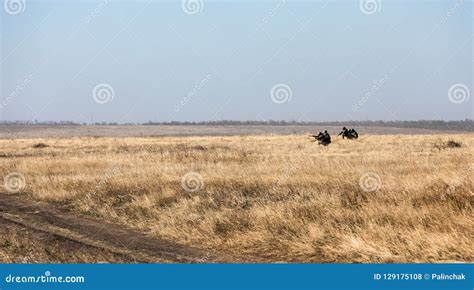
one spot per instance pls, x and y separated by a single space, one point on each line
268 198
67 131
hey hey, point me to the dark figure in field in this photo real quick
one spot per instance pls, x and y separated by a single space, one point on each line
349 133
344 130
323 138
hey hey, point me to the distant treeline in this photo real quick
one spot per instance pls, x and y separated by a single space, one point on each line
464 125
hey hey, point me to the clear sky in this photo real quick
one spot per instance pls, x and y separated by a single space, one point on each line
199 60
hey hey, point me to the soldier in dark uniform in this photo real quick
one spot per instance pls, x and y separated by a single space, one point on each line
349 133
353 133
326 138
322 138
343 132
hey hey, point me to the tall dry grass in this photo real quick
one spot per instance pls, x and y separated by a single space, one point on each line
268 198
18 245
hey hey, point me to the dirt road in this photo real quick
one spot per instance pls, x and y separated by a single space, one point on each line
85 233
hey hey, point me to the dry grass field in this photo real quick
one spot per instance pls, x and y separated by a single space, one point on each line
390 198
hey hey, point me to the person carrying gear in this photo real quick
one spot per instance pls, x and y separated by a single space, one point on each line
353 133
326 138
322 138
343 132
349 133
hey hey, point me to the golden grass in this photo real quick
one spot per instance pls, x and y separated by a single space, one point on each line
268 198
23 246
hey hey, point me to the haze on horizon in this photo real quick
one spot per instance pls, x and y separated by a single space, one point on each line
139 61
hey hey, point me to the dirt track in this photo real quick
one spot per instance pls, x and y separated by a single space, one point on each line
90 233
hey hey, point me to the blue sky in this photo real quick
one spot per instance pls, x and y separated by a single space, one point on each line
136 61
